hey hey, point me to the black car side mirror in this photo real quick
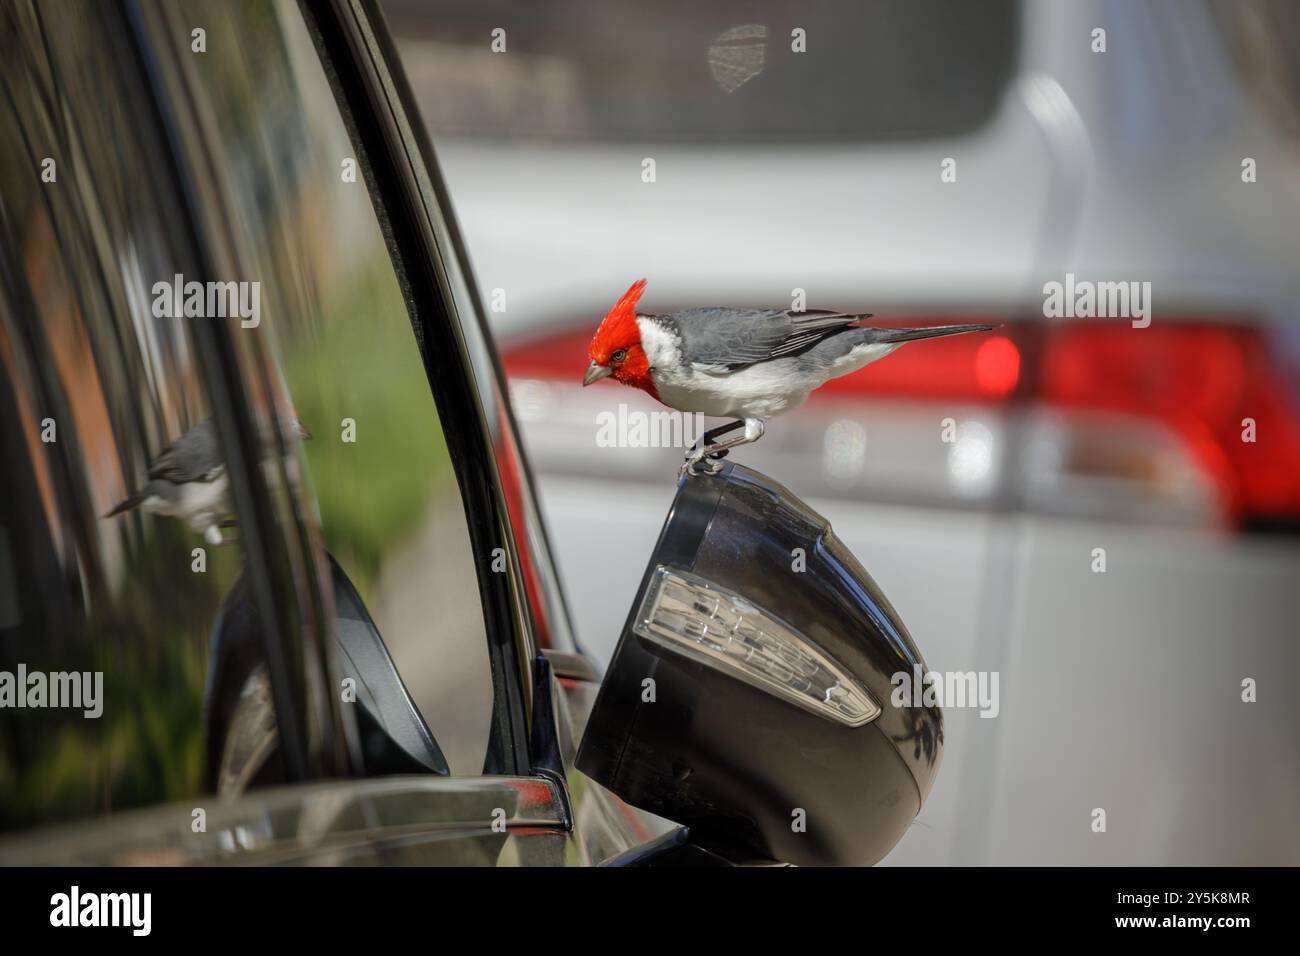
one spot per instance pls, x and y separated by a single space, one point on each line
749 695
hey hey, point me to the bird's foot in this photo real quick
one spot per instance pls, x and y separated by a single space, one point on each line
706 460
705 456
216 537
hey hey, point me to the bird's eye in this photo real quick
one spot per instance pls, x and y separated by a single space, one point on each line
619 355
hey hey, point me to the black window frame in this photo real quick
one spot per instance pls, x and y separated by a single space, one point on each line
393 154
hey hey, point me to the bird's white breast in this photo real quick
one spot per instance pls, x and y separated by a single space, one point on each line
761 390
205 496
200 503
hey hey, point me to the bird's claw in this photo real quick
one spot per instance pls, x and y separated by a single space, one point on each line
703 461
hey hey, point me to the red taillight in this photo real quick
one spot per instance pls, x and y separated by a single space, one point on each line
1195 380
1200 380
560 358
997 366
980 367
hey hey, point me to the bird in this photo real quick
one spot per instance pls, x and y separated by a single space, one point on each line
188 481
745 364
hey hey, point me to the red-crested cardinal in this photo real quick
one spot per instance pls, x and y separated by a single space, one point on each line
746 364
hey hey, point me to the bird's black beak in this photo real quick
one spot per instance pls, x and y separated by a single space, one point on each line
595 373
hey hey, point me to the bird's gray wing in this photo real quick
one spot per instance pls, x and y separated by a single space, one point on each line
192 457
724 340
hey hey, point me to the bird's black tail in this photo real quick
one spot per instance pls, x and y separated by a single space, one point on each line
929 332
127 505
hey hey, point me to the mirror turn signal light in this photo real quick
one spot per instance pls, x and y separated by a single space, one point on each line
700 620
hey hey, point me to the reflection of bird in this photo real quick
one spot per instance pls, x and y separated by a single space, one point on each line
188 481
747 364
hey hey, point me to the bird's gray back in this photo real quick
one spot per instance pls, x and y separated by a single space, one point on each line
734 338
191 457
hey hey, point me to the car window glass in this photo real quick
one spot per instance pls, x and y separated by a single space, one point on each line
390 508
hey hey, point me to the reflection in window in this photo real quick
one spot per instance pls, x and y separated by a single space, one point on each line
111 609
390 509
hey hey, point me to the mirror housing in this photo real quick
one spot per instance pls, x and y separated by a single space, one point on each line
749 696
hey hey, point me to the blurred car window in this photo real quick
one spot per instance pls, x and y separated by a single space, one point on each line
390 508
708 72
104 618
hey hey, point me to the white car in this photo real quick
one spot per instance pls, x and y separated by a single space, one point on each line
1105 512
